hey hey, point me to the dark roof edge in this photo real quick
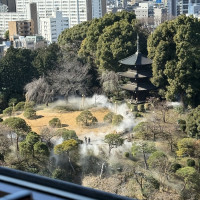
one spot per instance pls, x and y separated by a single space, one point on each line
60 185
120 61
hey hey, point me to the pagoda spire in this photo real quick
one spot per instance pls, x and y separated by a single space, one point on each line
138 45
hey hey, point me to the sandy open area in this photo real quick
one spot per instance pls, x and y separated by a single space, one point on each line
68 121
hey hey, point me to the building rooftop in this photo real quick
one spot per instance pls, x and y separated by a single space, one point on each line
136 74
136 59
138 86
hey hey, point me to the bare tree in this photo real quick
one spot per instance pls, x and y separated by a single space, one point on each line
109 81
73 76
162 108
5 142
47 133
39 91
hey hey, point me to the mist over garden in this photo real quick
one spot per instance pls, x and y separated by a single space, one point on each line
64 115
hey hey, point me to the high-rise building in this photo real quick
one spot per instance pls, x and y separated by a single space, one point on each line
51 27
9 16
172 8
21 5
76 10
194 9
31 11
184 5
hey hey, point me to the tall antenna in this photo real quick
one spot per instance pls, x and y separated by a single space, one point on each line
138 45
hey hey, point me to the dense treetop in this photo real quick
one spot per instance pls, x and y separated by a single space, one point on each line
174 48
16 70
75 34
193 123
106 40
20 66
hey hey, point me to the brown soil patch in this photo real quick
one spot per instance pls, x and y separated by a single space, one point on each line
68 120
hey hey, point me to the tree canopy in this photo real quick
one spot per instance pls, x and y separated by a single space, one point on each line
174 49
191 180
186 147
113 140
67 134
66 148
46 59
193 123
117 41
106 40
16 69
112 38
144 148
86 118
74 35
17 124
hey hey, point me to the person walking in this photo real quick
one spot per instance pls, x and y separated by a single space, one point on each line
85 139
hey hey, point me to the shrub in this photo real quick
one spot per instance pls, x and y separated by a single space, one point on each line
147 106
29 104
1 157
132 107
154 182
8 111
140 131
67 134
126 154
1 119
30 113
55 123
141 108
12 101
139 126
86 118
117 119
174 167
59 174
137 114
182 124
135 108
190 162
20 106
179 109
108 117
65 108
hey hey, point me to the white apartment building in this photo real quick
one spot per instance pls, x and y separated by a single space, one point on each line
160 15
21 5
184 5
145 10
76 10
51 27
30 42
9 16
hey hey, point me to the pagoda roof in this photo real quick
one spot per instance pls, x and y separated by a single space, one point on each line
135 74
138 87
136 59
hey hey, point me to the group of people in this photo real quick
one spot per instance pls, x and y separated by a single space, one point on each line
87 140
